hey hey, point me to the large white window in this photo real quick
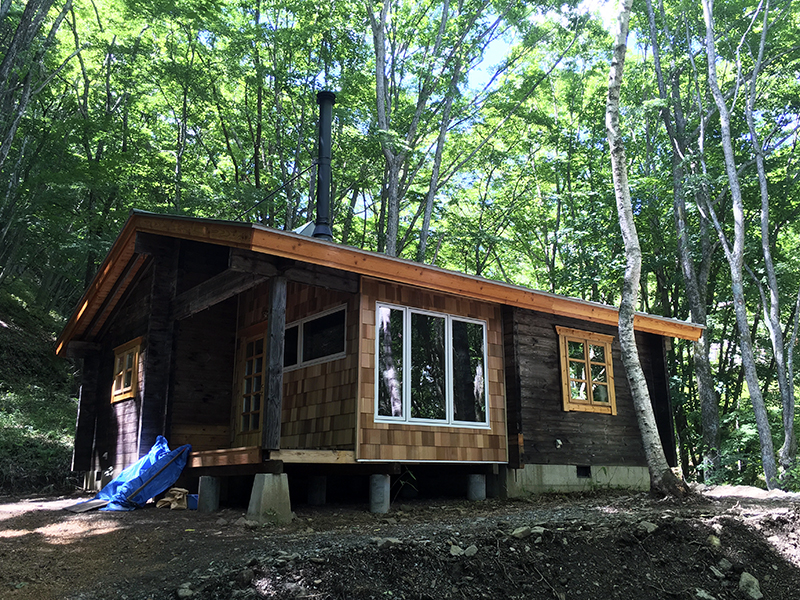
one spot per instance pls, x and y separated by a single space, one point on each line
430 368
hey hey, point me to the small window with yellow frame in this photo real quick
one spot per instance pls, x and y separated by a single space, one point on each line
587 371
126 370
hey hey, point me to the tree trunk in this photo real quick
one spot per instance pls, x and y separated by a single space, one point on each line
695 285
735 257
772 310
662 478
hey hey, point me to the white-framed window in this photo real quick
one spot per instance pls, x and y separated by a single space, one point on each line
430 368
316 339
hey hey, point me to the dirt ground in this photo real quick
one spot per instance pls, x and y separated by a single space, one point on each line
609 546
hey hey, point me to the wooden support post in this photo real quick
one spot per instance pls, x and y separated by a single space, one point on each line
317 488
160 330
87 414
273 392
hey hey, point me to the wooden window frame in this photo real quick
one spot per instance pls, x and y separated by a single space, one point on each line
300 324
587 338
119 390
258 332
449 420
253 376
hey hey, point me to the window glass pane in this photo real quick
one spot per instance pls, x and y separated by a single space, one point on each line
290 340
256 403
259 364
390 362
248 385
597 353
599 373
129 360
427 367
469 368
246 407
128 379
323 336
577 390
248 368
577 370
576 350
257 383
600 393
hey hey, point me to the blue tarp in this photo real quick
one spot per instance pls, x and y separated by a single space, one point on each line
154 473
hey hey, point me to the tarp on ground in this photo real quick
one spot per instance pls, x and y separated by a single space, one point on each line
152 474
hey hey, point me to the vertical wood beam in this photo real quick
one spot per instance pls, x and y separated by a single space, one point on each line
660 396
273 390
87 413
160 336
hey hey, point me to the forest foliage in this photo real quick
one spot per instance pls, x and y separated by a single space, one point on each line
469 135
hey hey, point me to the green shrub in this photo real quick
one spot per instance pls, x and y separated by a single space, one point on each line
37 403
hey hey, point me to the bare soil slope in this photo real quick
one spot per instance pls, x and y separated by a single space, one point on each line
610 546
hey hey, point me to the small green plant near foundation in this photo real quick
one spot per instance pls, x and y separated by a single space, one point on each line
405 481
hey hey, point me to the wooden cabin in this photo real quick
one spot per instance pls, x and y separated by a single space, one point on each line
273 352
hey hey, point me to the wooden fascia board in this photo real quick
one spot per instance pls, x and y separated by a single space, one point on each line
395 270
328 254
105 279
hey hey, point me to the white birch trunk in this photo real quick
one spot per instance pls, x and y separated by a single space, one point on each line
661 477
735 258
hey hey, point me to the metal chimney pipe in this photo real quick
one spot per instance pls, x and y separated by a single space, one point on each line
322 227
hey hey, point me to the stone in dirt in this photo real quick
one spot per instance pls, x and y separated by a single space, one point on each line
750 587
648 527
521 532
724 565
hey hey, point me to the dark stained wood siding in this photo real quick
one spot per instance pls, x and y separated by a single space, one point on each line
157 351
116 433
535 404
199 262
88 405
200 405
653 348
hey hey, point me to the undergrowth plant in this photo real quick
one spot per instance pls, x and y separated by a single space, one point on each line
37 403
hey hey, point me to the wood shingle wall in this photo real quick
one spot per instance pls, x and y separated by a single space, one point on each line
116 435
319 401
415 442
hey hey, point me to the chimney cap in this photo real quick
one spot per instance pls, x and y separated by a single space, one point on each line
326 96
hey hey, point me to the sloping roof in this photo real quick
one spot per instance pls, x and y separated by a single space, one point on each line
121 263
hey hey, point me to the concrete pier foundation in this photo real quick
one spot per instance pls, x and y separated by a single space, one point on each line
379 493
476 487
269 500
208 494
